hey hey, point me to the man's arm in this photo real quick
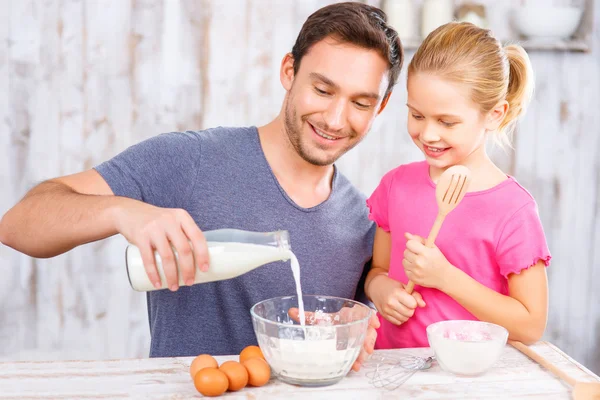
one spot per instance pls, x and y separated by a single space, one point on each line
60 214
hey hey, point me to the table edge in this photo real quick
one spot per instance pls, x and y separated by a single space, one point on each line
570 359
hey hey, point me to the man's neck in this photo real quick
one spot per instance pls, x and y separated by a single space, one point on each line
307 184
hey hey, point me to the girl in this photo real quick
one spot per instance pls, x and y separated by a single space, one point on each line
490 257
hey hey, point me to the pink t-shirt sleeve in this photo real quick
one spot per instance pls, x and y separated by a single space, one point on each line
522 242
378 202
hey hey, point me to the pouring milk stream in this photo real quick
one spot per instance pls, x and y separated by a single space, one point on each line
232 252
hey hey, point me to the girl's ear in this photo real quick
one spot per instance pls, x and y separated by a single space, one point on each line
496 116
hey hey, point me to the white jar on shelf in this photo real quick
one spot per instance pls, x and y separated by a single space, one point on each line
436 13
402 17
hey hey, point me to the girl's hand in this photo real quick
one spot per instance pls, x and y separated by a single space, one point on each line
425 266
392 301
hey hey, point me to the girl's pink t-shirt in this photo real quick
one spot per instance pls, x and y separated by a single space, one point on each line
489 235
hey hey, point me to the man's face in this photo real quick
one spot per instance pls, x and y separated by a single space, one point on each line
333 99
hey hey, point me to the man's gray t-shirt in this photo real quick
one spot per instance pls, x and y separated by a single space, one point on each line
222 179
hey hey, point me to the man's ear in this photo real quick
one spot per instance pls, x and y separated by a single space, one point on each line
286 74
496 116
384 103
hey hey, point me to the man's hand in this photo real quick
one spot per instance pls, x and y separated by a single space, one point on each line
149 228
369 343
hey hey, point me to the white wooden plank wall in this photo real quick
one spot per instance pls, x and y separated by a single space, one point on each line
80 80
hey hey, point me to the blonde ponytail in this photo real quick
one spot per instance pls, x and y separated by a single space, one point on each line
467 54
520 87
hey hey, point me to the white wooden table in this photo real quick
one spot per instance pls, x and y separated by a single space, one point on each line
515 376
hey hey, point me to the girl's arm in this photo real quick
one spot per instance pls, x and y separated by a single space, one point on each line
523 312
388 295
380 265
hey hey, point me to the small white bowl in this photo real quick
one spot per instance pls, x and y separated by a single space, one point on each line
547 22
467 348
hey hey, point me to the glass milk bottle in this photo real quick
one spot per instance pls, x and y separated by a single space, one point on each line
232 252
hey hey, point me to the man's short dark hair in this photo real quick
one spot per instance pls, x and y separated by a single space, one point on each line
356 23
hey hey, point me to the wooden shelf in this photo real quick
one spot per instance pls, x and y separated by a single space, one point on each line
575 45
580 42
564 45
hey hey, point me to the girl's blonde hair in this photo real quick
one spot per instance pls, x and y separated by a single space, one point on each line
467 54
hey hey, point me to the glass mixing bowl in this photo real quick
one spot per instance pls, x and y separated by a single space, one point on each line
323 350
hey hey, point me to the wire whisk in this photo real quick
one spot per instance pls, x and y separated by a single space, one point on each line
391 372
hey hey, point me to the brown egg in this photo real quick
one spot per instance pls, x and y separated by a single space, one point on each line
251 352
211 382
236 373
259 371
202 361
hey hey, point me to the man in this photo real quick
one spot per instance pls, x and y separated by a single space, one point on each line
164 191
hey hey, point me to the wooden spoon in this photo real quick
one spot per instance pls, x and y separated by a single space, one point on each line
581 390
450 190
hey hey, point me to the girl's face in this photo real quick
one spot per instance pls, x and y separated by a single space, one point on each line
445 123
